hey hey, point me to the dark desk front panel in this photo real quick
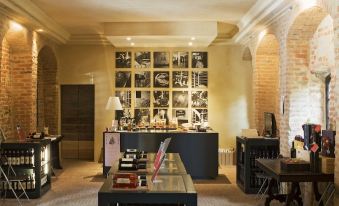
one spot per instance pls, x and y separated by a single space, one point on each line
198 150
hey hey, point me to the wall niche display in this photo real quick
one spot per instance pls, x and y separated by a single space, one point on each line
199 79
199 99
125 98
142 60
142 79
161 59
179 99
161 98
161 79
199 60
199 115
181 115
180 79
142 116
142 99
123 59
123 79
180 60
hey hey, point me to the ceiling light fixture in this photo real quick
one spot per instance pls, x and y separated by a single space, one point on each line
192 38
40 30
128 38
15 26
190 43
132 44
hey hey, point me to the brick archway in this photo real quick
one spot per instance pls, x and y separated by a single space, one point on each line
266 80
47 91
304 100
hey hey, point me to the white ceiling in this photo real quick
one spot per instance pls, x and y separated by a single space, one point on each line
87 16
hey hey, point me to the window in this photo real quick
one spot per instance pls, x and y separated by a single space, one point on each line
327 100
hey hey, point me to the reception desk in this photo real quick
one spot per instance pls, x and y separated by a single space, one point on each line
198 150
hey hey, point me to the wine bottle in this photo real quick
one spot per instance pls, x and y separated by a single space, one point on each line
28 182
293 151
18 157
33 181
22 157
27 158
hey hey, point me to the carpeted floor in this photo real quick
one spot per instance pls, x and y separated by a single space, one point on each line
78 183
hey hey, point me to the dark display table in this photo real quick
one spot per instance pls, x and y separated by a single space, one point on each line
198 150
272 168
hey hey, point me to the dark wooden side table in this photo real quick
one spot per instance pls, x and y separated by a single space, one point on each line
55 140
272 168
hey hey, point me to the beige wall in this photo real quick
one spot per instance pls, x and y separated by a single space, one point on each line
229 85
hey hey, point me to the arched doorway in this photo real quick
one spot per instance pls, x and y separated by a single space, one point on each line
266 80
47 91
310 58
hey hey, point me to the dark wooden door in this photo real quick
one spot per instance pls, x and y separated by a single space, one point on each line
77 121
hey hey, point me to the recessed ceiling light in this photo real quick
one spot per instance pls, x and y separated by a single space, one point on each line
128 38
192 38
190 43
132 44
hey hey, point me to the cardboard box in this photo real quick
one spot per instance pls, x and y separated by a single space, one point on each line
327 164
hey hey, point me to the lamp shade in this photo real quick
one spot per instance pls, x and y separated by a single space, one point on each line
113 103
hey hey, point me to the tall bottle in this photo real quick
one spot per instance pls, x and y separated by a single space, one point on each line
293 151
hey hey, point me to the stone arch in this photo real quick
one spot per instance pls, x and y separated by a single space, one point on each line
247 55
306 70
47 90
266 80
17 76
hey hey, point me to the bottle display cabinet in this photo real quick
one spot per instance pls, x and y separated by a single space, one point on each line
30 160
249 176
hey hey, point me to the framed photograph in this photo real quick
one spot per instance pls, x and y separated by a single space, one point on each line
123 59
159 114
161 98
199 99
125 98
161 79
142 60
125 113
142 116
161 59
181 115
142 79
179 99
142 99
122 79
199 60
180 79
199 79
180 60
199 115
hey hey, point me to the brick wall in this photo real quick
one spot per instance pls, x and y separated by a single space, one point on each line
266 80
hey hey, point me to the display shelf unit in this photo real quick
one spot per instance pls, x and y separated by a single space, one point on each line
249 176
40 170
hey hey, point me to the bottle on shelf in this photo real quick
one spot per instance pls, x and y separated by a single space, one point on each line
293 151
17 157
27 157
31 157
22 157
33 181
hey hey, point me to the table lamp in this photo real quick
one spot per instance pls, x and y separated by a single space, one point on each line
113 103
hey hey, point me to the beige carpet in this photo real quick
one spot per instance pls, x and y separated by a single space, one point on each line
78 183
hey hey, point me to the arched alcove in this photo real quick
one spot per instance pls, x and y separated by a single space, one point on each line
266 80
17 92
310 53
47 92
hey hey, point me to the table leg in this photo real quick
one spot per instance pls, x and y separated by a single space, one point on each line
317 195
270 192
294 194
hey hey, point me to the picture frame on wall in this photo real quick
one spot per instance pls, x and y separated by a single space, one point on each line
180 79
160 114
142 79
123 59
199 60
180 99
199 115
182 115
161 98
122 79
142 116
142 99
161 79
199 79
125 98
199 99
142 60
161 60
180 60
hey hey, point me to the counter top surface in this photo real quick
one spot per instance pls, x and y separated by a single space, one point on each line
163 131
